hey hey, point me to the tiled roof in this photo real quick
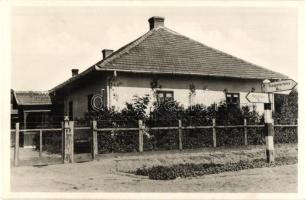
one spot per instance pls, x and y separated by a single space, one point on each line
32 98
162 50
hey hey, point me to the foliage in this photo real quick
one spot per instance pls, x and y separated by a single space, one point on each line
167 114
117 142
286 108
120 141
285 135
51 142
286 112
193 170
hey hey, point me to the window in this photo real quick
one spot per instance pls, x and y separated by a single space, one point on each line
163 96
232 99
90 103
70 110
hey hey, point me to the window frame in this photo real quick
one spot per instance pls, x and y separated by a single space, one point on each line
164 92
231 97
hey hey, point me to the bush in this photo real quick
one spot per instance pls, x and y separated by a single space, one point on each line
114 142
286 108
193 170
256 136
197 138
230 137
51 142
167 114
285 135
162 173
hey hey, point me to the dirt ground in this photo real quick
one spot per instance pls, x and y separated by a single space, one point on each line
109 173
92 177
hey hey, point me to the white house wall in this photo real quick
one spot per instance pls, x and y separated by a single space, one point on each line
79 97
126 86
207 92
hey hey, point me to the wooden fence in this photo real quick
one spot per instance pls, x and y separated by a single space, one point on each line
68 135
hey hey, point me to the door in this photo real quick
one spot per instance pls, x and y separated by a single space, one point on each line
70 110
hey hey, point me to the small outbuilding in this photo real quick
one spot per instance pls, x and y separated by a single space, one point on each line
32 110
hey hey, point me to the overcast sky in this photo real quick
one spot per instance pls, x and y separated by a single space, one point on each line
47 42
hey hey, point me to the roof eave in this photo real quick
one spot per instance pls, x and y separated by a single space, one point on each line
72 79
35 104
192 74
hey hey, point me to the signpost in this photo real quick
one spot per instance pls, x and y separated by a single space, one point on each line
257 97
279 86
269 129
268 88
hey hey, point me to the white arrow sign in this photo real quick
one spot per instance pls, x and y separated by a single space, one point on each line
280 86
257 97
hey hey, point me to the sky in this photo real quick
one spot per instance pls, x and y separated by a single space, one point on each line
47 42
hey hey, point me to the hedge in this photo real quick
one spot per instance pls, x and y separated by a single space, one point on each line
51 142
198 115
197 138
117 141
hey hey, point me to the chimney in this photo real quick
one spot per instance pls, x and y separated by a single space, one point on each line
106 53
74 72
155 22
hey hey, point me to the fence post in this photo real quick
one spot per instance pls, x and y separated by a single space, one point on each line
94 140
214 132
68 141
71 131
16 152
40 144
245 132
180 134
140 136
63 141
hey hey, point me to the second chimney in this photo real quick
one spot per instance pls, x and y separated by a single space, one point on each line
155 22
74 72
106 53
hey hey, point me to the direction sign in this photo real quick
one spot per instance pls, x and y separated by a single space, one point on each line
254 97
280 86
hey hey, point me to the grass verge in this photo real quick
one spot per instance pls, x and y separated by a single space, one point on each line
193 170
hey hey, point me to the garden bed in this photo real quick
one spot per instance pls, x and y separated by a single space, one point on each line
193 170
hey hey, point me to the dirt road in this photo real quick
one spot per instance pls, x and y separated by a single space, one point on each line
95 177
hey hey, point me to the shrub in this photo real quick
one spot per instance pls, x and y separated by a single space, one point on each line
285 135
192 170
286 108
197 138
256 136
51 141
167 114
162 173
229 137
111 142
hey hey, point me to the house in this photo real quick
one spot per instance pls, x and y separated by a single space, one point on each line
32 109
164 65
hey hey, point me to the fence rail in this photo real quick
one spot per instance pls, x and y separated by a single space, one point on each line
68 128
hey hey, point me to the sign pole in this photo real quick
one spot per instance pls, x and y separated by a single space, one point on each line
68 136
269 129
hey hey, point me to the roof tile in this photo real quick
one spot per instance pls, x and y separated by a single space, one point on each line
163 51
32 98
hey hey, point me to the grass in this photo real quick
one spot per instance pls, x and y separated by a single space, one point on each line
193 170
